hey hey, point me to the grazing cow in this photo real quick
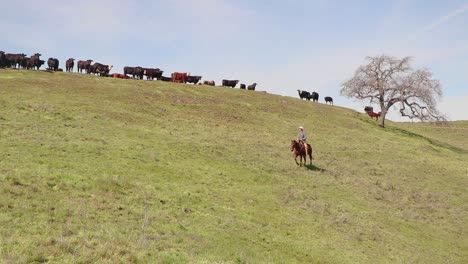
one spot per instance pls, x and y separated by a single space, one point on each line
53 64
304 95
134 71
328 99
3 60
84 65
100 69
314 96
69 64
152 73
372 115
210 83
14 59
166 79
230 83
252 87
179 77
242 86
193 79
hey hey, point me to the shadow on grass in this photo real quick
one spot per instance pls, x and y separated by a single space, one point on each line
312 167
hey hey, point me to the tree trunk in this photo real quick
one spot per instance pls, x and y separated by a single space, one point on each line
382 120
383 113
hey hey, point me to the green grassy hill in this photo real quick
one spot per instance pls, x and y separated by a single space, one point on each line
122 171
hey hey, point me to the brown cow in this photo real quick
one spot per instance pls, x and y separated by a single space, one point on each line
100 69
53 64
69 65
34 61
84 65
179 77
152 73
134 71
373 114
119 76
252 87
210 83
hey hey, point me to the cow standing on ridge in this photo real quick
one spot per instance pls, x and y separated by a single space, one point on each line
34 61
229 83
84 65
179 77
69 64
304 95
328 99
134 71
14 59
151 74
100 69
314 96
193 79
53 64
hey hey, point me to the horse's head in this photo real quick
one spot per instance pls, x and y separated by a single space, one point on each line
293 144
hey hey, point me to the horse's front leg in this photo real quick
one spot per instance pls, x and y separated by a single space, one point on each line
295 159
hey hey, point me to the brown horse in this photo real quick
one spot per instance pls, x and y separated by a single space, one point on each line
298 150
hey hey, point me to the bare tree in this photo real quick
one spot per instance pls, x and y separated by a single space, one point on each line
390 82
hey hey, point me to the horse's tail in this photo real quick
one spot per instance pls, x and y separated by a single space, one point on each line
309 151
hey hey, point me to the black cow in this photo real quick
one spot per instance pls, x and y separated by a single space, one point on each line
34 61
252 87
26 63
242 86
328 99
69 64
39 64
134 71
193 79
152 73
14 59
230 83
100 69
368 109
304 95
84 65
53 64
314 96
166 79
3 60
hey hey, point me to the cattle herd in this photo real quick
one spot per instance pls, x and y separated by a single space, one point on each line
8 60
314 96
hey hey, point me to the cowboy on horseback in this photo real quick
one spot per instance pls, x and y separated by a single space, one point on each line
300 148
302 137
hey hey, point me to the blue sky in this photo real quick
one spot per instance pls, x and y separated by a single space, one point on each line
282 45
